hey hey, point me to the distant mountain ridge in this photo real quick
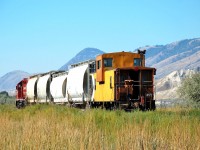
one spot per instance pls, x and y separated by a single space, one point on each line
85 54
184 54
10 80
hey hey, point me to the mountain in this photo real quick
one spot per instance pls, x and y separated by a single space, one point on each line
183 54
9 81
85 54
166 87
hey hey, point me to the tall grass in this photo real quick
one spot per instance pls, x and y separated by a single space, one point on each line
57 127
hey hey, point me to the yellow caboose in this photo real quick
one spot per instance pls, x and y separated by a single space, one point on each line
122 80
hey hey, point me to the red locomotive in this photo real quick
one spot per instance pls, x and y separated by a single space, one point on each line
21 93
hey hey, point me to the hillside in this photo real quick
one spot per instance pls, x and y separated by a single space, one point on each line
179 55
184 54
85 54
9 80
167 86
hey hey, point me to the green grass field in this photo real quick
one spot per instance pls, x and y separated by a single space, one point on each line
58 127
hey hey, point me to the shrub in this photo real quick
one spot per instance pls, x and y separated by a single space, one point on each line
6 99
190 89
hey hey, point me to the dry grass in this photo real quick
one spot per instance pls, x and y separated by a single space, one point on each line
57 127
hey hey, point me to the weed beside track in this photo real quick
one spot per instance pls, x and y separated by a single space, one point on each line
58 127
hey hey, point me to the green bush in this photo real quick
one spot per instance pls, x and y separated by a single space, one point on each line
190 90
6 99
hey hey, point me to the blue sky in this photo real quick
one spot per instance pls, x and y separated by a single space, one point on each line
42 35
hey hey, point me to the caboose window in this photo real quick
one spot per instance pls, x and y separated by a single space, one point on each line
98 64
137 62
108 62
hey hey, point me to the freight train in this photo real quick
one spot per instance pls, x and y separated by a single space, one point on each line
117 80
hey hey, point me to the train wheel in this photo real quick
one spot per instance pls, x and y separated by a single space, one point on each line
20 104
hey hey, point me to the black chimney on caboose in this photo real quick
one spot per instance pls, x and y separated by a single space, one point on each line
142 51
142 56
